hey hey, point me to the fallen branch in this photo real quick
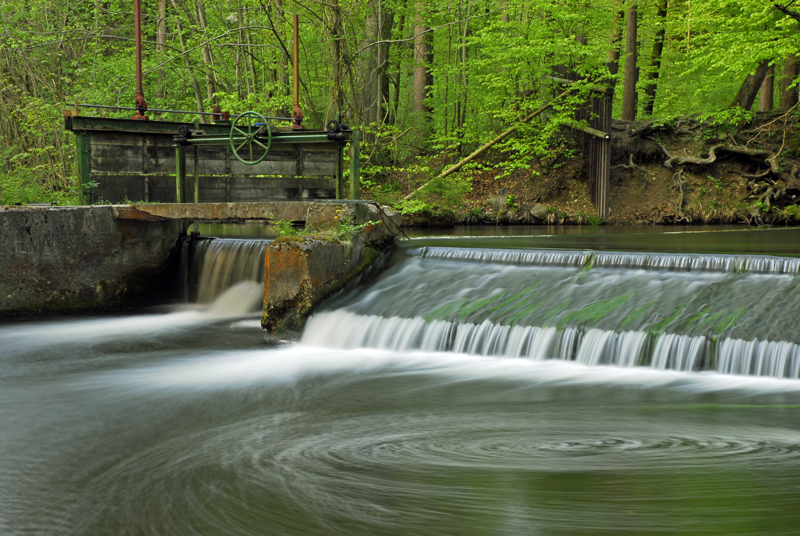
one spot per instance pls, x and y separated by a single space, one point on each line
488 145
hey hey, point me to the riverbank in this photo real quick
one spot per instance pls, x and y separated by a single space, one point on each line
683 171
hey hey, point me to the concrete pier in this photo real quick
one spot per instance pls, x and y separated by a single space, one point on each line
66 259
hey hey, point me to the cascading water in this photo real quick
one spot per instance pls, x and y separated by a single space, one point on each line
457 391
216 264
732 314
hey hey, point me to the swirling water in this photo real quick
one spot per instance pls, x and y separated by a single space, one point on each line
185 422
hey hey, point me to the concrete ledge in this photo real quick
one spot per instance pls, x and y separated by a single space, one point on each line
318 215
61 259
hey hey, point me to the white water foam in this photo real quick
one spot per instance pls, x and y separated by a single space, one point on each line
665 351
239 300
622 260
295 361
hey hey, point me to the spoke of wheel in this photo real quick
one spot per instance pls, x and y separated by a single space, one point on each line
249 127
261 145
237 129
242 145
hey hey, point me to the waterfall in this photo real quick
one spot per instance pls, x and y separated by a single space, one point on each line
216 264
663 351
654 261
730 314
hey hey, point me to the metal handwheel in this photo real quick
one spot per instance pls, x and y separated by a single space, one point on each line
248 134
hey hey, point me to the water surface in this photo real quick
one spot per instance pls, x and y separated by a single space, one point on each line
186 421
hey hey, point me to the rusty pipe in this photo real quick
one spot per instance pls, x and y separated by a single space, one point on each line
296 52
140 104
297 113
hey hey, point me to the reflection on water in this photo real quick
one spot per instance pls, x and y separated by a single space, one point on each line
711 239
187 422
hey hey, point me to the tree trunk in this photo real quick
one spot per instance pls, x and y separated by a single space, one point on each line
374 63
208 58
655 60
752 83
398 73
334 26
188 62
423 76
631 70
767 91
790 71
612 60
423 57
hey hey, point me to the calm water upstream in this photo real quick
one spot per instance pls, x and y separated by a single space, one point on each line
585 383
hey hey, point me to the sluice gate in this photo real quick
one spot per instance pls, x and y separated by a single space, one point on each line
123 160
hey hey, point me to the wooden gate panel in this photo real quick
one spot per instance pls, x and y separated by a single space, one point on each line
118 188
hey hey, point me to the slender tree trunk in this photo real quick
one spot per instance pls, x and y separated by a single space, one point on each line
752 83
333 25
612 59
188 62
423 77
374 63
398 74
208 58
423 57
791 69
631 70
242 52
767 91
655 60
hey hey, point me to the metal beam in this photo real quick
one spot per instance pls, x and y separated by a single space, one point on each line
355 166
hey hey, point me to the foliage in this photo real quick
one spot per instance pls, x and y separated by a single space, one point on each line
345 232
490 65
284 227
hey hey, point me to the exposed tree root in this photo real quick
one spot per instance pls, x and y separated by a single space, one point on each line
632 165
767 156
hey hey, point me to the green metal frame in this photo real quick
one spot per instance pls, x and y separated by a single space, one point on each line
84 145
214 134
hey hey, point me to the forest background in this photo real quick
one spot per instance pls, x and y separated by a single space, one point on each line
428 81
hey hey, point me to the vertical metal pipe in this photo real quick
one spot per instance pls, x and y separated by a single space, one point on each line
296 52
297 113
141 105
137 17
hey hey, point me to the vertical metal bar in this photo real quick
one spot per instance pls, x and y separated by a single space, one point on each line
85 190
196 174
340 173
137 21
355 165
147 189
180 172
296 52
140 104
227 173
297 113
298 151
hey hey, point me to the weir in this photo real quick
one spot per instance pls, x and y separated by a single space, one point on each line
730 314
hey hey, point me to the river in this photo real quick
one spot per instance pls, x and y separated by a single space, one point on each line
592 382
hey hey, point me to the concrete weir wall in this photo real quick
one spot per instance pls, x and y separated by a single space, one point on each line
62 259
301 271
66 259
